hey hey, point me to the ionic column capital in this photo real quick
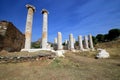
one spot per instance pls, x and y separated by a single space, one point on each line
30 6
44 11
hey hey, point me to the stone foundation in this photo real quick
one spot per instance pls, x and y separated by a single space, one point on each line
11 39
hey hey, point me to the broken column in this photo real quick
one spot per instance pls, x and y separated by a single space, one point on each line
55 41
55 44
86 42
71 42
80 43
74 40
91 42
44 28
66 45
28 32
59 41
66 42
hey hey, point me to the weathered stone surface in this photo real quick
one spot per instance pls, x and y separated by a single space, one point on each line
86 42
45 29
71 42
55 41
80 42
14 57
59 53
29 21
55 44
66 43
59 39
102 54
91 42
11 39
74 40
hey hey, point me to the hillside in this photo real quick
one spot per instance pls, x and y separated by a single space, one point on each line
113 47
111 44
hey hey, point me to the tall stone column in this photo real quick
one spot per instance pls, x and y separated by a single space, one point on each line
74 40
59 39
91 42
55 44
80 43
86 42
44 28
28 32
66 42
66 45
71 39
55 41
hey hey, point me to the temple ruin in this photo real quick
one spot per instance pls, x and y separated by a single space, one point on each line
11 39
69 44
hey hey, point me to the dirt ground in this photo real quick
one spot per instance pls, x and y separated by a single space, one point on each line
72 67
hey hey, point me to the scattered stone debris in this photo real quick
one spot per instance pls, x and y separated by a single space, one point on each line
102 54
59 53
16 59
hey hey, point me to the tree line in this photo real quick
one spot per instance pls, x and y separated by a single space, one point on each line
112 34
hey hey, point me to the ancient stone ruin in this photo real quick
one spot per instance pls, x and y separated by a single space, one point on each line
11 39
28 31
69 44
45 29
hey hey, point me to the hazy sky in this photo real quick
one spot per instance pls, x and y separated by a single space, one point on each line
80 17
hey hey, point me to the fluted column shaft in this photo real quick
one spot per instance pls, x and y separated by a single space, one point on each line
86 42
28 30
80 42
71 42
59 41
45 29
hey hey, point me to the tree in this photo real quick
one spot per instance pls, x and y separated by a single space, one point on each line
35 45
63 43
100 38
113 34
106 37
94 40
76 43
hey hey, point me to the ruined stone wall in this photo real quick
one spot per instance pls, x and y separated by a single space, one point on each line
11 39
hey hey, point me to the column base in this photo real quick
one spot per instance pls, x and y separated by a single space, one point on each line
35 50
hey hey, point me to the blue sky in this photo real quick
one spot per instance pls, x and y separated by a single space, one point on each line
80 17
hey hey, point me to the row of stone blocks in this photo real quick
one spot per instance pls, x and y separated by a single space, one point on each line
16 59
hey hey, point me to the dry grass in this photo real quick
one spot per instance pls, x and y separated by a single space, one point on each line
72 67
